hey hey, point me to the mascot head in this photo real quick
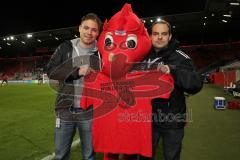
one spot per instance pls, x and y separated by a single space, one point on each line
123 42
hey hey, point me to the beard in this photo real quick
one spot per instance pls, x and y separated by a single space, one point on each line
161 45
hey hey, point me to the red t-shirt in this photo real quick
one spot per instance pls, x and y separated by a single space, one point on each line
122 110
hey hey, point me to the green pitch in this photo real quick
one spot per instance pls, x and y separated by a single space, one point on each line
26 121
27 125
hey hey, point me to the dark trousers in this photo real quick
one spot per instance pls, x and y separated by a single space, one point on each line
172 142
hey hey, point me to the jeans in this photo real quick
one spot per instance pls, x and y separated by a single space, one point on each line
172 142
64 136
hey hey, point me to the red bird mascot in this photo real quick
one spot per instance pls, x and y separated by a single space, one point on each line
121 97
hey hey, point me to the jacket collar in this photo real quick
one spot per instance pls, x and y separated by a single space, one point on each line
165 52
76 43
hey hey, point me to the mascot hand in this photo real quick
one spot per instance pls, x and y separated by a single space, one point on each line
126 98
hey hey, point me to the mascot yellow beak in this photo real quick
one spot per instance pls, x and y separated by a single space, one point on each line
111 57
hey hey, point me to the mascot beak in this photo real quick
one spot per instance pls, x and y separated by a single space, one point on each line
111 57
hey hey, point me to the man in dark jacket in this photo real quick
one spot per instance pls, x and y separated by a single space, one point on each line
169 116
69 63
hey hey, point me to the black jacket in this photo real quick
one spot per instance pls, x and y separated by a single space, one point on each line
62 73
171 113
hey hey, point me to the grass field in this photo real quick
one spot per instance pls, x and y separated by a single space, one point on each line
27 125
26 121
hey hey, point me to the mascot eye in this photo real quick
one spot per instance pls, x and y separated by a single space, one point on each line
108 40
131 42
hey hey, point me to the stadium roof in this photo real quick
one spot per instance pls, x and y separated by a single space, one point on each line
41 29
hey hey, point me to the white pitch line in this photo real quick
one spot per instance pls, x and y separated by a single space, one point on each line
51 156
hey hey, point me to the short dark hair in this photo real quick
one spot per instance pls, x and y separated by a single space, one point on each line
163 22
94 17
